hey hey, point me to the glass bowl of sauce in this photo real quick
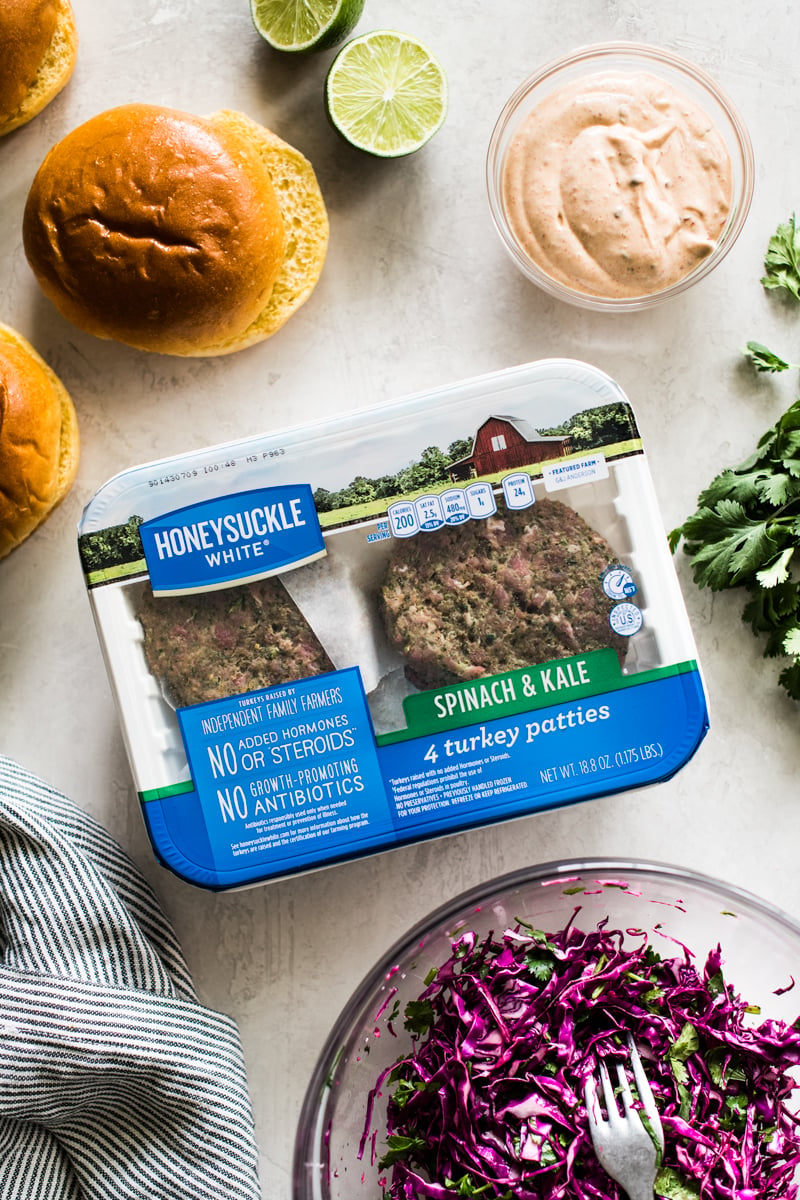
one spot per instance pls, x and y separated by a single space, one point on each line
619 176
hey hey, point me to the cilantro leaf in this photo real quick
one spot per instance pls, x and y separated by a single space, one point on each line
791 642
748 487
737 1112
768 446
541 965
674 1186
773 612
399 1148
786 442
674 538
419 1016
782 260
539 936
777 571
746 527
772 607
723 1067
790 453
764 360
405 1091
466 1186
686 1044
778 489
789 679
716 984
726 544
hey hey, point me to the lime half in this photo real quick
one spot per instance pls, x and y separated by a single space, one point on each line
301 25
386 93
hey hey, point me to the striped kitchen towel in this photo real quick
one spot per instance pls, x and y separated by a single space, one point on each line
115 1082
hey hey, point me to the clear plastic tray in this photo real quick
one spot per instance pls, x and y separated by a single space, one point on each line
252 785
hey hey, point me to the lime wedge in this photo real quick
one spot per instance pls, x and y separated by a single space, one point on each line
386 93
301 25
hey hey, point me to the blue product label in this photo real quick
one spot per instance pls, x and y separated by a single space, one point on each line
287 775
403 519
232 538
454 506
480 500
626 619
291 777
518 490
503 768
430 512
618 582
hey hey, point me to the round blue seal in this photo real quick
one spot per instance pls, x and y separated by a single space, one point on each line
625 619
618 583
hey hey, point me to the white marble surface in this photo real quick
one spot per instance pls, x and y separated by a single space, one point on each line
417 291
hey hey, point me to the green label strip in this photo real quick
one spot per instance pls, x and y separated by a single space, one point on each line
520 691
164 793
503 695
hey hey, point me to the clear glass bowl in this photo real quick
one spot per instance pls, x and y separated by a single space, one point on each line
622 59
760 948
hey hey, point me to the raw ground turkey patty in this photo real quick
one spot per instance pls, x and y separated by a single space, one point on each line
510 591
222 643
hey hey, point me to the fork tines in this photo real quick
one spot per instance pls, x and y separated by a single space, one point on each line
624 1147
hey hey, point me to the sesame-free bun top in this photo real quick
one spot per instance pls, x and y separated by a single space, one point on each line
39 441
175 233
39 43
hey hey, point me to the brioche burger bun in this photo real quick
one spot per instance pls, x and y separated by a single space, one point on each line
38 48
39 441
176 233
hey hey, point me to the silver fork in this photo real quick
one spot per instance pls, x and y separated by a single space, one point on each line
623 1146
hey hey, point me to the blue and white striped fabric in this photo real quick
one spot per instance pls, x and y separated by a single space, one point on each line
115 1083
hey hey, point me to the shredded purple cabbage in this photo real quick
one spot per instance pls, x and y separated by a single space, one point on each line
489 1101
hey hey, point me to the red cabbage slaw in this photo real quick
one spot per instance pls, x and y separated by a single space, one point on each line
489 1099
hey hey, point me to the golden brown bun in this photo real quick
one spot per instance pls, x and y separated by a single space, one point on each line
305 218
39 441
175 233
39 42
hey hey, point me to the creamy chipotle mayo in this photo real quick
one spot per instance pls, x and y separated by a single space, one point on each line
617 185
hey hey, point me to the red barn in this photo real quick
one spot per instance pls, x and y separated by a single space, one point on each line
505 444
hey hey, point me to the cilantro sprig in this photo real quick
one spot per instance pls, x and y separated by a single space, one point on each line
746 534
782 260
765 360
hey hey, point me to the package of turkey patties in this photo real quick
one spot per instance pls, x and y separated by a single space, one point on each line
447 610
